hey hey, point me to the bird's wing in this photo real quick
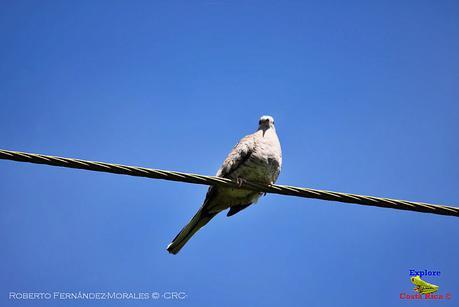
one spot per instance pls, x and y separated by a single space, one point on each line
238 155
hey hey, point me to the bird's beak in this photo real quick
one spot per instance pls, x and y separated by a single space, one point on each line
265 129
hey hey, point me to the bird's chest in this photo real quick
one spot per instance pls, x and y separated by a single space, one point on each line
263 164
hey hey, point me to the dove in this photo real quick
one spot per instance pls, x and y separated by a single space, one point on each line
256 158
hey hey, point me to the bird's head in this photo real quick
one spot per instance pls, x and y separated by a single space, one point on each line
265 123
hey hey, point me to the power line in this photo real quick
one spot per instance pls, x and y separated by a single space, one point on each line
217 181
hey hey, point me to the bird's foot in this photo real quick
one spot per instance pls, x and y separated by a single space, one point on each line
240 181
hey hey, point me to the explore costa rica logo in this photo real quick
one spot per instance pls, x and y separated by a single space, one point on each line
424 290
423 287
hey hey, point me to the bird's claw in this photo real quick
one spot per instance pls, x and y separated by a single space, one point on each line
240 181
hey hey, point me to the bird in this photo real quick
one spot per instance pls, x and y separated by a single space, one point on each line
257 157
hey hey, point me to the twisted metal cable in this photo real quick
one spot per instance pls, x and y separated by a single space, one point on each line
217 181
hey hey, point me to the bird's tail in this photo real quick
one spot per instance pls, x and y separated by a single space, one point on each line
200 219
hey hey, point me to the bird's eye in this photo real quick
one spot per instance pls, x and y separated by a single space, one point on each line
259 122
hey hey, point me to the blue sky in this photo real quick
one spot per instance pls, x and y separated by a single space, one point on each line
365 98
